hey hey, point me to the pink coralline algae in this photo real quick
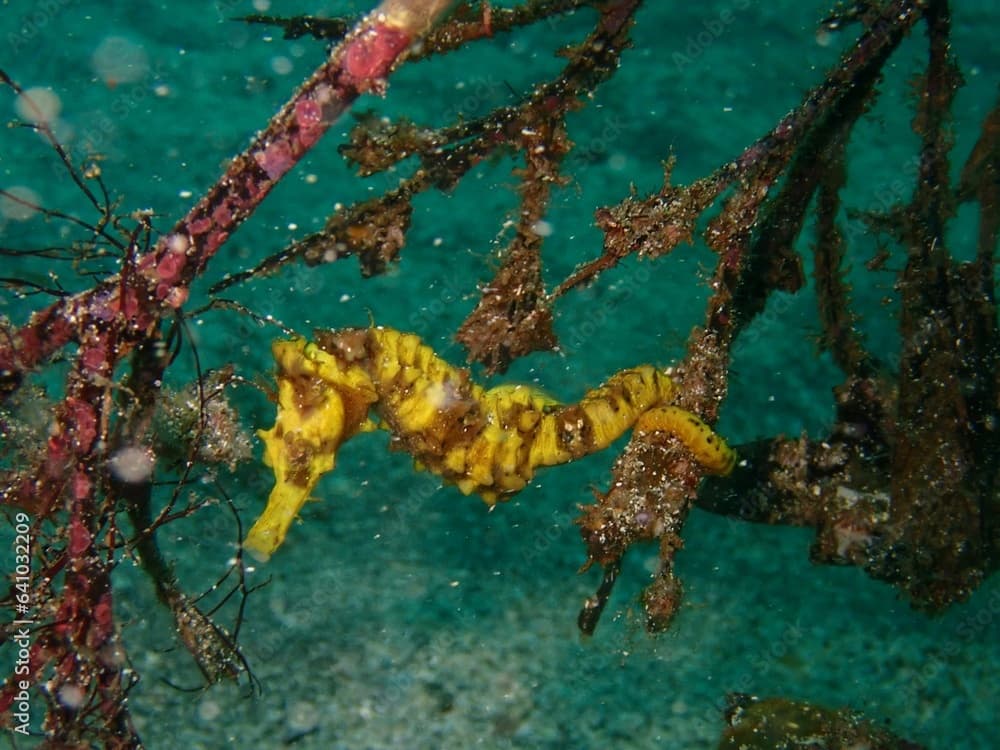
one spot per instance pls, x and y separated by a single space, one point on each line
81 416
172 296
170 266
199 226
102 626
309 118
106 306
79 538
222 215
369 57
82 486
94 357
276 159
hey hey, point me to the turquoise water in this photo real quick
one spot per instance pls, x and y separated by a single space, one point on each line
400 613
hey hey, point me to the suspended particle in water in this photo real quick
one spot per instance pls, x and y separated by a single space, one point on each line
132 464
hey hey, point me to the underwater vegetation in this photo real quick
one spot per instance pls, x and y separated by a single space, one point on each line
99 456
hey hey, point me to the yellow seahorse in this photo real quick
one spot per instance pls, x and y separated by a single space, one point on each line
485 441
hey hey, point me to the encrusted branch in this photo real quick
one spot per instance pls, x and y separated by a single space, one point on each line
654 483
161 277
73 652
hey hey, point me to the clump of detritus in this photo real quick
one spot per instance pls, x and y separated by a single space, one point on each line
23 425
198 423
783 724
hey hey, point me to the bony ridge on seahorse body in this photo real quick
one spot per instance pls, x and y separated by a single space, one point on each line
485 441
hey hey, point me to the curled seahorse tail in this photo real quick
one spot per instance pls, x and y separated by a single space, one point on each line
709 448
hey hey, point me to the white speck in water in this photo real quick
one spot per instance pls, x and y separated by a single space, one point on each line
303 717
38 104
281 65
19 203
209 710
71 696
119 60
542 228
132 464
178 244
